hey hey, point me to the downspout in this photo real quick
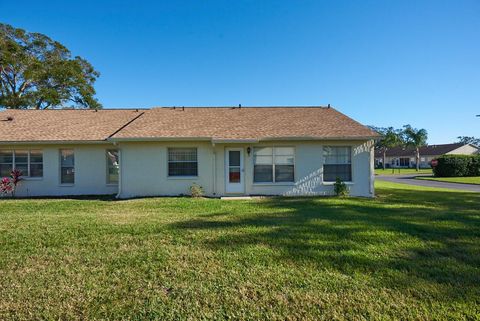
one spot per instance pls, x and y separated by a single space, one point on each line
214 172
372 169
119 173
120 152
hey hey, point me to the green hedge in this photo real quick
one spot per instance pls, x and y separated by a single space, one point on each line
457 166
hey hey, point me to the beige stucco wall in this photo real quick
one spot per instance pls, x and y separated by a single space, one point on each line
144 169
90 171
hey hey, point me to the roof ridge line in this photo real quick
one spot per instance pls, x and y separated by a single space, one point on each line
237 107
126 124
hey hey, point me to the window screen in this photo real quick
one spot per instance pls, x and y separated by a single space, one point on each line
182 162
29 162
273 164
112 166
338 163
67 166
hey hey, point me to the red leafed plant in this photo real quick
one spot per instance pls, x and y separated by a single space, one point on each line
9 184
5 185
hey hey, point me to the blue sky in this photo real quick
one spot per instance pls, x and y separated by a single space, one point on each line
386 63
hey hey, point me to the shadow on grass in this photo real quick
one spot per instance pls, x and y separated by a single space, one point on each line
405 237
106 197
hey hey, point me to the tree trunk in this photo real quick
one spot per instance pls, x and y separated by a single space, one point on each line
384 157
417 156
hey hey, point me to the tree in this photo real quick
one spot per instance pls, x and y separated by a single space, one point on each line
38 72
415 138
391 138
468 140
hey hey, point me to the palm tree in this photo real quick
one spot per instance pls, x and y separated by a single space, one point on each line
415 138
391 138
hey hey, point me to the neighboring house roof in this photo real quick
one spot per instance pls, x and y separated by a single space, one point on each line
218 123
246 123
62 125
429 150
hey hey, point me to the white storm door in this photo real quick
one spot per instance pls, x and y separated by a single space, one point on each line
234 178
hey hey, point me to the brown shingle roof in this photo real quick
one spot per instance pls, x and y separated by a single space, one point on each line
256 123
219 123
62 125
429 150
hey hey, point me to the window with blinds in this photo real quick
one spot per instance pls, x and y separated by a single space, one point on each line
29 162
274 164
182 162
337 163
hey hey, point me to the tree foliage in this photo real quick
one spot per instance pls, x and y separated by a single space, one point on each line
38 72
406 137
415 138
468 140
390 138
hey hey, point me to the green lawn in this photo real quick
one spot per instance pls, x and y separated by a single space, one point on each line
400 171
464 180
411 253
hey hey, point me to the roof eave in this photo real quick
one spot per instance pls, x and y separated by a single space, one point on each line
156 139
54 142
296 138
237 140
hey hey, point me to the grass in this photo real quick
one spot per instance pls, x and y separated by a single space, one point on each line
462 180
411 253
402 171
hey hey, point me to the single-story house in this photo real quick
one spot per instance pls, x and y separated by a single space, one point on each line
163 151
400 157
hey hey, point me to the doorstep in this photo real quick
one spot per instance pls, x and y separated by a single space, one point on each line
235 198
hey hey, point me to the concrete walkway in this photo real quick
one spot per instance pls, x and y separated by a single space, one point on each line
410 180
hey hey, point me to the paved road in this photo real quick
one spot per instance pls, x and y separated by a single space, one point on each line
410 180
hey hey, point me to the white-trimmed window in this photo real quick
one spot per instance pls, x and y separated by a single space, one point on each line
273 164
67 166
337 163
112 166
182 162
29 162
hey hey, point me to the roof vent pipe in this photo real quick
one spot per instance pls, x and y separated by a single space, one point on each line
239 106
328 106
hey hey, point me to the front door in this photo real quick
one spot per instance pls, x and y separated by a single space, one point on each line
234 181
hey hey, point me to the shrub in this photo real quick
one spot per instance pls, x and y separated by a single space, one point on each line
340 188
457 166
6 185
475 166
196 190
9 184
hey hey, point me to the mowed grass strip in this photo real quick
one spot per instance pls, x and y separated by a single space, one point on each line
402 171
473 180
411 253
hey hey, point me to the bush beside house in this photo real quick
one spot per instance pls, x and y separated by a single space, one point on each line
8 185
457 166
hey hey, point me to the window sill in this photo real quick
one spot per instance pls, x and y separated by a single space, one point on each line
274 184
182 177
32 178
66 185
112 184
333 183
